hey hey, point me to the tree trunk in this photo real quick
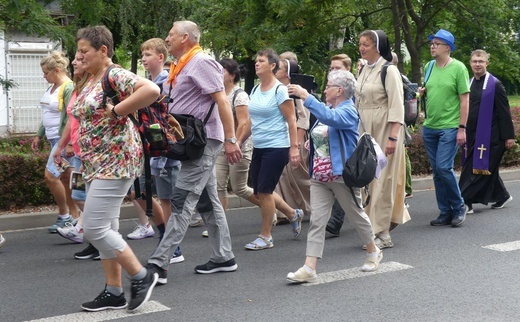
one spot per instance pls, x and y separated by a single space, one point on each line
250 75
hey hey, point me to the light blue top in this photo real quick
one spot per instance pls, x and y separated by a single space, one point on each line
269 128
342 120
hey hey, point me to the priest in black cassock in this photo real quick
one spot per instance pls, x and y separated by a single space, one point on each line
489 133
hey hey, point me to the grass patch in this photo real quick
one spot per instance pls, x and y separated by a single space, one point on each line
514 100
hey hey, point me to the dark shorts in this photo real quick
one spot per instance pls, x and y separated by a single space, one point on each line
266 168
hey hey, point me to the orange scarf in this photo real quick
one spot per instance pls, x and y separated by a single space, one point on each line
176 68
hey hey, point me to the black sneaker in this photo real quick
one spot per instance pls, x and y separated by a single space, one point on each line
162 278
105 301
331 231
211 267
141 290
501 204
88 253
459 217
442 220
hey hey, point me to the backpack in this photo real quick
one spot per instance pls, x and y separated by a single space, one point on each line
360 169
153 129
410 95
153 120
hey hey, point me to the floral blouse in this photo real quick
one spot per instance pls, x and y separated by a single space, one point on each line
110 148
322 165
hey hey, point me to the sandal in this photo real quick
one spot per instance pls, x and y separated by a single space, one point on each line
260 243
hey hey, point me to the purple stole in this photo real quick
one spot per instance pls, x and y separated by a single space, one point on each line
482 146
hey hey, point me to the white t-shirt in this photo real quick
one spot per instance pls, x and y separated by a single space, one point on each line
51 115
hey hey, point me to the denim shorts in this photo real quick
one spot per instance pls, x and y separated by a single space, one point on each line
165 182
51 165
79 195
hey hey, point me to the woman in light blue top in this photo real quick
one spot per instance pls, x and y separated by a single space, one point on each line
336 132
273 128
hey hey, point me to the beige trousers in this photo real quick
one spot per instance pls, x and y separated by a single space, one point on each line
323 195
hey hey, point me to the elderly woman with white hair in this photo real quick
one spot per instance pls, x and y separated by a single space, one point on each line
336 130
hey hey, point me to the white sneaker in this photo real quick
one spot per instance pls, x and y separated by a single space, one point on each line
141 232
372 261
196 222
302 276
71 233
2 240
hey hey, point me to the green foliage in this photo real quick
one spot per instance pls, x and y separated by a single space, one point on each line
22 176
7 84
30 17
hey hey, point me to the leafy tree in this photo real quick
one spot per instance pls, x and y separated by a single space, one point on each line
30 17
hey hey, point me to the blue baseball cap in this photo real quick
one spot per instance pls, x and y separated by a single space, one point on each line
446 36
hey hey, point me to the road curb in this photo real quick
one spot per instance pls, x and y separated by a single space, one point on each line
45 219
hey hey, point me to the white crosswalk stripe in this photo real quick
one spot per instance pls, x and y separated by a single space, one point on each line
504 247
350 273
150 307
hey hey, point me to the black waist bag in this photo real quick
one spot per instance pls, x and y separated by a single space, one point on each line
194 142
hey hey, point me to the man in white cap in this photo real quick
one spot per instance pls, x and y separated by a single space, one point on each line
446 86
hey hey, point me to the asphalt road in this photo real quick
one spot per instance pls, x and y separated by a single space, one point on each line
432 274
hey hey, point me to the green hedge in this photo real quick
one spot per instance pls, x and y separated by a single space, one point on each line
22 174
419 159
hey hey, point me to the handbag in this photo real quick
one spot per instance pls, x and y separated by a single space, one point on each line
360 168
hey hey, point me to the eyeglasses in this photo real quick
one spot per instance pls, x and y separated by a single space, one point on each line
329 86
436 44
479 62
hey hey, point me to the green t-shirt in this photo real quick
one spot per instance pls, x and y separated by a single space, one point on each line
442 91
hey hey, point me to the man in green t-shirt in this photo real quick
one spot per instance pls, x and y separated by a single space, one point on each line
447 101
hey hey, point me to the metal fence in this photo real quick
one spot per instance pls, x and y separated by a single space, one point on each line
25 114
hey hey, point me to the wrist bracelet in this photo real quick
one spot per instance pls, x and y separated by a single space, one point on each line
462 126
392 139
113 112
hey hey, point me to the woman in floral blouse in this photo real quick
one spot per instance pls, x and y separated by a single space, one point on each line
111 153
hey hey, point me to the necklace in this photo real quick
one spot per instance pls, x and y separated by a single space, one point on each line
446 62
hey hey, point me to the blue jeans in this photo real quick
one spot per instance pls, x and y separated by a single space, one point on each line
441 147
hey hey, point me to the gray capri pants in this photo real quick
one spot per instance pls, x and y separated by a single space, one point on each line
101 215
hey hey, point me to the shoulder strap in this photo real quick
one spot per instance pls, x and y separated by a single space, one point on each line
428 71
209 113
254 89
239 90
60 94
361 69
108 88
384 70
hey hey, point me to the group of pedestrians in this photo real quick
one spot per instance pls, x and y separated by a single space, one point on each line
284 135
